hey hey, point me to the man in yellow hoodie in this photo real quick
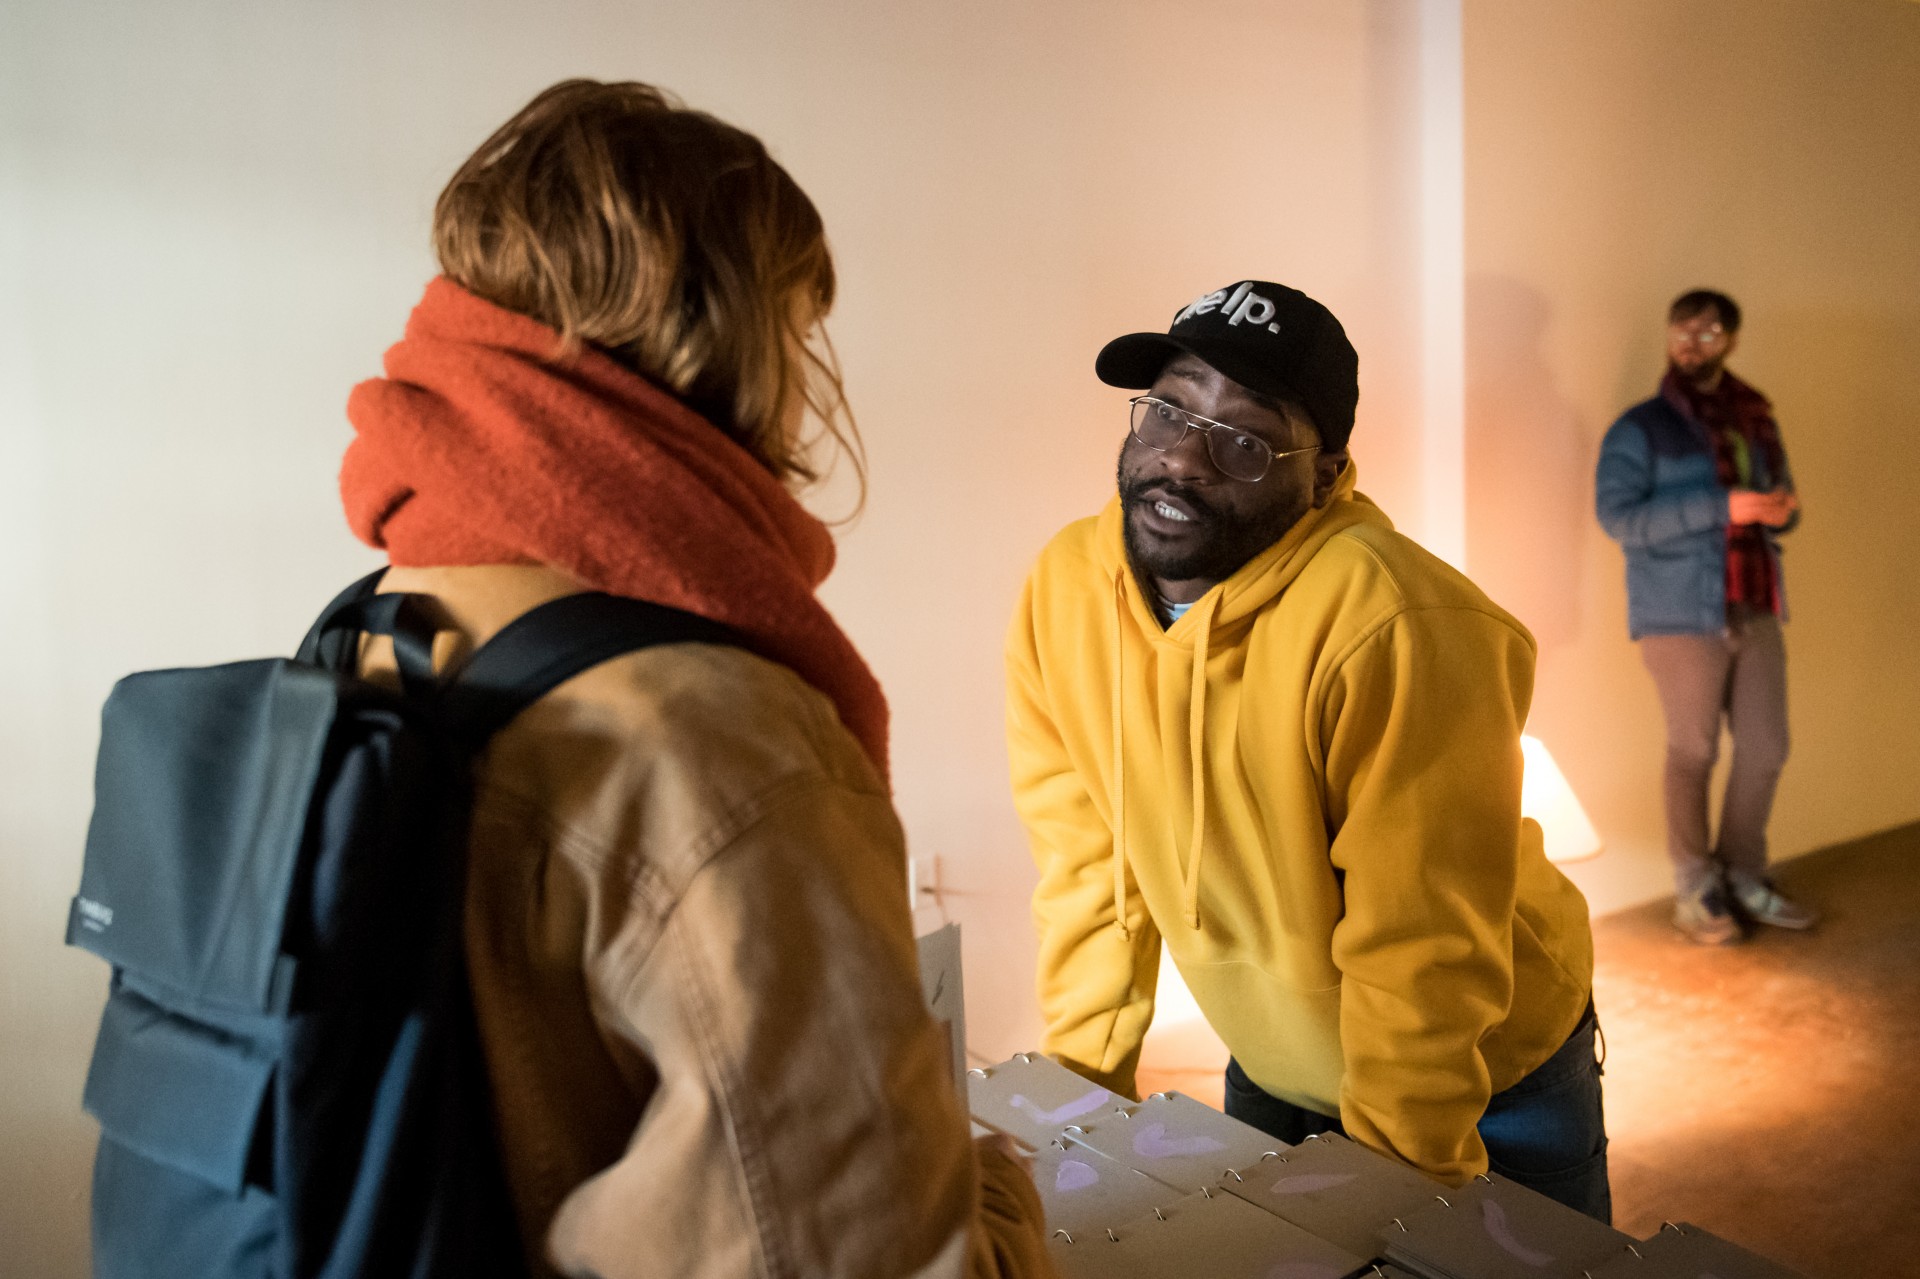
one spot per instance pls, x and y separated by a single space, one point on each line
1249 720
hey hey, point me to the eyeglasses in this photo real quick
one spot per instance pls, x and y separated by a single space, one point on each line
1711 335
1239 455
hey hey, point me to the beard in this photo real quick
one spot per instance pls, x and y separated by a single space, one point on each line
1705 371
1226 540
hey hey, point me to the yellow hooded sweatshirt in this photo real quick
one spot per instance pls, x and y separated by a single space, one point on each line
1317 808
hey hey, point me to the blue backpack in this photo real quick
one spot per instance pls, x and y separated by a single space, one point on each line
288 1076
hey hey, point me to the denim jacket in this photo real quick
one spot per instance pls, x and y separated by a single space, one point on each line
1658 495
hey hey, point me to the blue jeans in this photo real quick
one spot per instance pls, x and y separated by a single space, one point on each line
1546 1132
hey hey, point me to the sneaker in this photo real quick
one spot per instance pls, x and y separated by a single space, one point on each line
1761 902
1707 920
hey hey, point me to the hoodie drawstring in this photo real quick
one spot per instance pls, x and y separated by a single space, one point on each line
1196 749
1119 758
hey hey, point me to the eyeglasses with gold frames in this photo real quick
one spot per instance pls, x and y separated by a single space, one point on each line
1239 454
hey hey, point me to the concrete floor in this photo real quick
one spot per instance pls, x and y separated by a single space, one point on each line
1770 1091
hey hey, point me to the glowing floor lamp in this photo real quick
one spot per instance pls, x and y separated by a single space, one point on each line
1546 797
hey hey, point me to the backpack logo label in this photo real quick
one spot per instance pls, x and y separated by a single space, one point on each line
94 916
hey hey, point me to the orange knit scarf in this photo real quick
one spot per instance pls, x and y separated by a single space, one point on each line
480 447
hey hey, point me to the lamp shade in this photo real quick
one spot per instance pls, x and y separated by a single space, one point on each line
1546 797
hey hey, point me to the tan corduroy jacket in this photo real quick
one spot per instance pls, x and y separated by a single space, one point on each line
695 976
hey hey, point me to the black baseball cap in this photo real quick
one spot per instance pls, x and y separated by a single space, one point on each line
1266 337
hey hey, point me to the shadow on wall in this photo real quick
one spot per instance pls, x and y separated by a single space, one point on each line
1529 464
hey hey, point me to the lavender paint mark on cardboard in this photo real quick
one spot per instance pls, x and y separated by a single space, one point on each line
1072 1110
1153 1143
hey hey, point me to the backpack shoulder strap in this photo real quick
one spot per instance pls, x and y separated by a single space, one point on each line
408 620
325 645
549 645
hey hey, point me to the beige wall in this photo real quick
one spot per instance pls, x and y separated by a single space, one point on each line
1619 152
213 219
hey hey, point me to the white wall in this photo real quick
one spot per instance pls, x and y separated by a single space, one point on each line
213 218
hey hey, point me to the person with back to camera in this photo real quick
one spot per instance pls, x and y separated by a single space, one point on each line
691 954
1694 485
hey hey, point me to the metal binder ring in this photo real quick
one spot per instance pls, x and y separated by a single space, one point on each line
1443 1199
1161 1215
1061 1234
1401 1224
1635 1251
1111 1237
1123 1112
1678 1230
1158 1096
1025 1059
1231 1173
1075 1128
978 1071
1206 1193
1481 1176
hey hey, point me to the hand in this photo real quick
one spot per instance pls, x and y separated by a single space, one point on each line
1006 1145
1746 506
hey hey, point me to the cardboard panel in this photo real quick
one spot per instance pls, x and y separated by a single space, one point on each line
1086 1192
1686 1251
1493 1229
1217 1237
1034 1099
1175 1139
945 992
1336 1189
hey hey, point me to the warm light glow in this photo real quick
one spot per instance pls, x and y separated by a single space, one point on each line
1173 1003
1546 797
1182 1050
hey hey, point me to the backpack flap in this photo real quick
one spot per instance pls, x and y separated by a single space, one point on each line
178 1092
200 807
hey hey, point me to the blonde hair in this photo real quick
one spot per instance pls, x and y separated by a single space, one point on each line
670 240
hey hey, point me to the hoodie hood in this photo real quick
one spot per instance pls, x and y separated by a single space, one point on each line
1257 582
1222 614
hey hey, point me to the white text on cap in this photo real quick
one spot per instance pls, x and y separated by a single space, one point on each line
1243 305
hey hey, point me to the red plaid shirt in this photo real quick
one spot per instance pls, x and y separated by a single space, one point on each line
1746 454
